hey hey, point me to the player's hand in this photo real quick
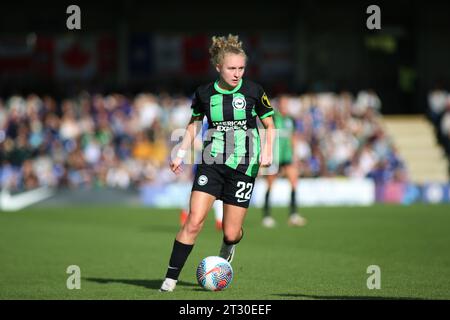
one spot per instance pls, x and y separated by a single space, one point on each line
265 160
175 165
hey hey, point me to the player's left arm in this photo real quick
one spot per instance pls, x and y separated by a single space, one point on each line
267 149
294 141
265 113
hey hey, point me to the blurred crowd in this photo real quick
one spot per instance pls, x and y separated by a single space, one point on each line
113 140
343 135
439 114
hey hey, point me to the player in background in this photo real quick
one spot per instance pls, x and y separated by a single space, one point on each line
285 164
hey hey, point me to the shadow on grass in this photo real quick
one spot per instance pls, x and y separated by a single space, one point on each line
324 297
161 229
148 284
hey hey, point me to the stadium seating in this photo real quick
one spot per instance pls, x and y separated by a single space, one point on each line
414 137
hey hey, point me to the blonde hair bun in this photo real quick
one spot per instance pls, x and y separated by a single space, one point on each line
223 45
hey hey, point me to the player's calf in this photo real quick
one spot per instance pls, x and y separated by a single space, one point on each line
228 249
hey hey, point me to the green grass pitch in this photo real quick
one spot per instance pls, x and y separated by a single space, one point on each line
123 254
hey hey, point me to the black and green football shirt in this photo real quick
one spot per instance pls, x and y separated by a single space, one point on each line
283 148
232 138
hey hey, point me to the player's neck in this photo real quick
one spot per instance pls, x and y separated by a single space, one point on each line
225 86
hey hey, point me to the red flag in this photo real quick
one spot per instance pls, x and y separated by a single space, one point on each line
15 54
76 58
106 55
196 56
43 56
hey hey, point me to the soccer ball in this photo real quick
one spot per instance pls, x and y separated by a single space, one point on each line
214 273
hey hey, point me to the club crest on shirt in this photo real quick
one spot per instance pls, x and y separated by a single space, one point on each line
265 101
202 180
239 103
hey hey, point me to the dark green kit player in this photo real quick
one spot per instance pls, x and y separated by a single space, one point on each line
231 147
284 164
232 153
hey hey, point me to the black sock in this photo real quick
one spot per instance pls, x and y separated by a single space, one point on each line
180 253
266 210
293 202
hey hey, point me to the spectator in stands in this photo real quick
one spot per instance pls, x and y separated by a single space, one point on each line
437 101
445 129
87 138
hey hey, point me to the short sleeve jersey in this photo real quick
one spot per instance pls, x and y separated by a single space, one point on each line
232 138
283 148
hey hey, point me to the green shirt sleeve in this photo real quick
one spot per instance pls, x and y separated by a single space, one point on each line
197 108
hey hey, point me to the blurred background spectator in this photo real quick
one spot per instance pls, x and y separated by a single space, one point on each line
97 108
439 115
94 140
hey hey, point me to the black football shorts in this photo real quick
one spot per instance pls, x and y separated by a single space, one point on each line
229 185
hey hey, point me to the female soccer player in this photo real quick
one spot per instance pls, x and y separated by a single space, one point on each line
231 154
285 160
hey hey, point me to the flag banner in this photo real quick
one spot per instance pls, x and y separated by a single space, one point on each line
196 55
139 55
16 53
167 53
76 57
276 55
44 56
107 55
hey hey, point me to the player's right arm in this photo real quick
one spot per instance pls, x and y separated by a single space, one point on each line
192 129
191 132
294 142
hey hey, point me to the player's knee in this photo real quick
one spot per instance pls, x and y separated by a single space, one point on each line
233 236
193 227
